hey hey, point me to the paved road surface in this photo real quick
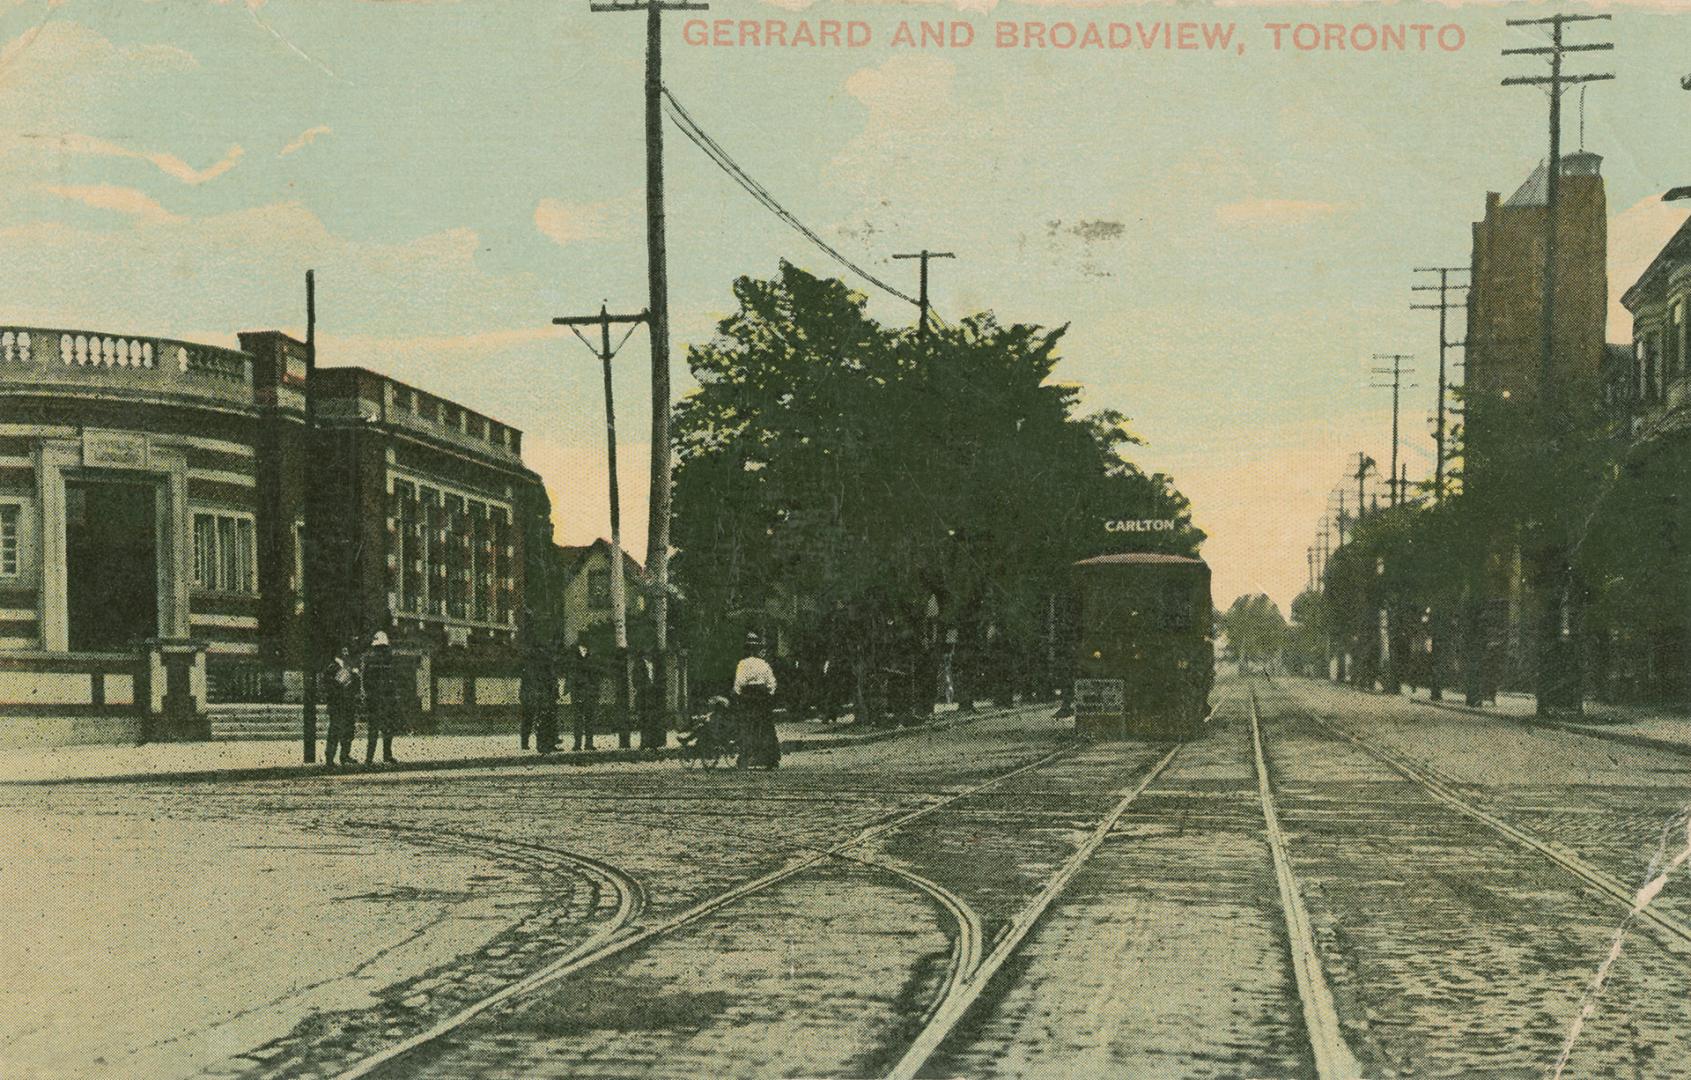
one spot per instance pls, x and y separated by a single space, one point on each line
1438 898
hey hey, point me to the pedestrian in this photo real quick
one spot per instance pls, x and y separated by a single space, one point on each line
381 698
654 733
583 679
340 683
754 694
545 678
537 701
525 704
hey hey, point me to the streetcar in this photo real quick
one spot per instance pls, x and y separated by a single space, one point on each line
1145 657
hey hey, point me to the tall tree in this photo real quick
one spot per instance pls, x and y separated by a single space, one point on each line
842 479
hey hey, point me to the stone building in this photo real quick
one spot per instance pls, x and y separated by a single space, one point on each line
1503 375
1505 304
1651 629
152 497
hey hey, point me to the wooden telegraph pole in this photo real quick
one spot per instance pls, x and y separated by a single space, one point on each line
657 272
308 523
1559 683
619 601
619 598
922 295
1443 307
1397 371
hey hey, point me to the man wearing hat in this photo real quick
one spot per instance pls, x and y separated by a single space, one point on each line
381 697
754 691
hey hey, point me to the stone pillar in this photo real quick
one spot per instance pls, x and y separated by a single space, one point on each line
171 690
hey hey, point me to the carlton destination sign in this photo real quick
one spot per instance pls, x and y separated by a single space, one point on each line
1140 525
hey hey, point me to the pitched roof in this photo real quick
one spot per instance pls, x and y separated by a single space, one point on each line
573 555
1536 190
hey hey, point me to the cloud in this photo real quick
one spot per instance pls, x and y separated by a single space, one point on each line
243 269
566 223
47 54
120 199
1636 234
169 164
904 93
305 139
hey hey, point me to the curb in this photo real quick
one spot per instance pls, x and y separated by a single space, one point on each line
529 760
1597 731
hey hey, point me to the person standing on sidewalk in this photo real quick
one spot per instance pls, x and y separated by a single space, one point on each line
754 694
583 679
381 697
649 705
543 673
537 700
340 684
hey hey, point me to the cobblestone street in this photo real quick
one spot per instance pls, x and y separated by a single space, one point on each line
956 902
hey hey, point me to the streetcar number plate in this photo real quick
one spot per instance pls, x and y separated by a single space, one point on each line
1100 695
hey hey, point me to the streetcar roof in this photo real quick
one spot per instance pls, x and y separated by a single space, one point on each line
1140 558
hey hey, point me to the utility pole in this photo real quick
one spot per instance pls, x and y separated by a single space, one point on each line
1363 464
1397 371
922 295
307 535
1555 81
605 353
619 597
1443 307
1559 682
657 272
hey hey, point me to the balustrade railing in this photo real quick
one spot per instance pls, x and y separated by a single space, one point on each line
84 349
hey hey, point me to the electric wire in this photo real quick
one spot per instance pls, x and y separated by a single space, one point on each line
689 127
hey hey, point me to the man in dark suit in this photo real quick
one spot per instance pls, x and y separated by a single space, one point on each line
340 684
381 697
584 677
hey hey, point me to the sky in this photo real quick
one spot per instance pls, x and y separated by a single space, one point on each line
1229 233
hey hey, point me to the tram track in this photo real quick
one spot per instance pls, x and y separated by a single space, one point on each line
1445 791
1466 886
619 936
1333 1057
955 1003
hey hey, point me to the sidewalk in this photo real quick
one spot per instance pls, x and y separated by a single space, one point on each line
1657 729
271 759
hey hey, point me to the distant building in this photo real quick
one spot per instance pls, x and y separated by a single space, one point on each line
1504 363
1661 353
1505 304
585 578
152 497
1652 636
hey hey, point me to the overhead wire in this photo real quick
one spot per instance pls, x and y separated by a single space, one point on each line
696 134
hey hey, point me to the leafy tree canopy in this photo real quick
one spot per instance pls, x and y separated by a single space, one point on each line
836 475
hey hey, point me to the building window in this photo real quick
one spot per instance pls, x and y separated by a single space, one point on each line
225 557
1676 340
1654 370
599 590
296 581
11 561
447 554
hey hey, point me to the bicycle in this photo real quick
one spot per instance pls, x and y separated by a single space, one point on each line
713 736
